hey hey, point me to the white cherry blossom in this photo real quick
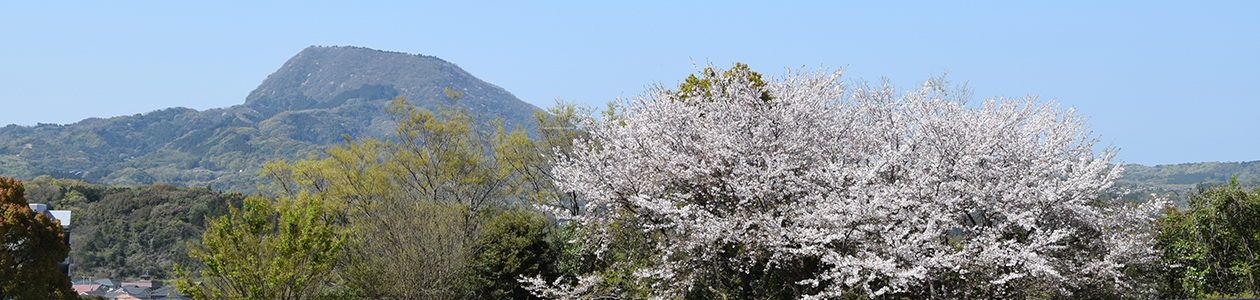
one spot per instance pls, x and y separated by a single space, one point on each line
913 193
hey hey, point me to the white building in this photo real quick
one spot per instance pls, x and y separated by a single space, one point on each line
62 216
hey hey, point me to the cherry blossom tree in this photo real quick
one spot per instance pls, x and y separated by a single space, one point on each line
806 186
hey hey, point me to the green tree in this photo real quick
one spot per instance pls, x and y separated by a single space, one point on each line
31 248
1213 247
529 158
412 207
693 85
282 250
512 243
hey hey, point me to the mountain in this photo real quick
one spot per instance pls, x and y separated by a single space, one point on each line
315 98
326 77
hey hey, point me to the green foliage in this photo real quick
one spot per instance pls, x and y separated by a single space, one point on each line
180 146
415 205
762 280
31 248
266 252
530 158
693 86
1188 175
428 214
1178 182
439 156
412 250
513 243
453 95
630 249
454 156
125 232
1212 247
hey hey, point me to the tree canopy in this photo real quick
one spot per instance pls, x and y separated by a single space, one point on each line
31 247
125 232
266 252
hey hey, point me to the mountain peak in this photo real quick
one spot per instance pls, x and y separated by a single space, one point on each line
318 75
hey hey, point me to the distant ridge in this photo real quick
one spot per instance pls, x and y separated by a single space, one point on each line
310 102
1190 175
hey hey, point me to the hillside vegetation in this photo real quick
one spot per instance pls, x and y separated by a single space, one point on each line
1189 175
124 232
1179 183
319 96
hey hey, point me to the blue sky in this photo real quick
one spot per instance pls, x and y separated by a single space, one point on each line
1165 82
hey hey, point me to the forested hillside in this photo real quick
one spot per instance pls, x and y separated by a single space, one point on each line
1179 182
316 98
124 232
1189 175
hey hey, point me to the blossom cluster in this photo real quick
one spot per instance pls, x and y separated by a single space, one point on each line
915 193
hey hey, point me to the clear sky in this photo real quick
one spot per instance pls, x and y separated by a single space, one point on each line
1165 82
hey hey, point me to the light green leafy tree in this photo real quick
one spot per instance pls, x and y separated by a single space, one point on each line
265 250
529 159
413 207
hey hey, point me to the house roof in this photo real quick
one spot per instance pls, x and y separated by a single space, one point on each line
84 288
142 292
167 291
107 281
37 207
144 284
63 216
164 289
